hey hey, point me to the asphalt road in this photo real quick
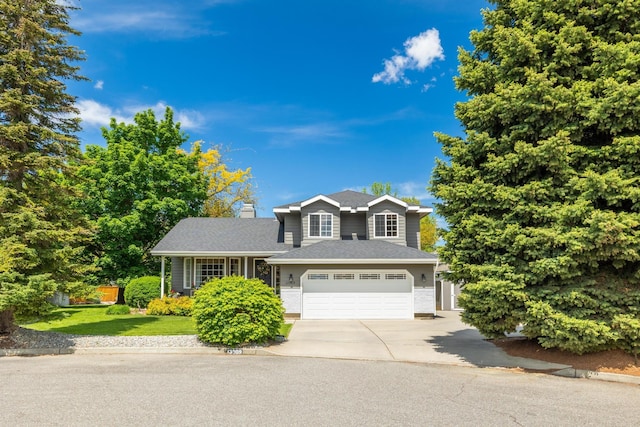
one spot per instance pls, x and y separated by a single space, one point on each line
165 389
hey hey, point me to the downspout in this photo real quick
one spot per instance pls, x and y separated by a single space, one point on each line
246 267
161 277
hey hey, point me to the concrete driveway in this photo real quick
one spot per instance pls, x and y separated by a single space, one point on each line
443 340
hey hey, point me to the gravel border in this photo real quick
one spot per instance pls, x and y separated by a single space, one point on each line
24 338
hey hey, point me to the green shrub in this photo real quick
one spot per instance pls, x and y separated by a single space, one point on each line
139 292
167 306
234 310
628 329
118 309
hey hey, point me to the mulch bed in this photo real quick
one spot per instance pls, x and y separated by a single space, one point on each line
6 341
615 361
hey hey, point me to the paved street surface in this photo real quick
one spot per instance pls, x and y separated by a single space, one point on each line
166 389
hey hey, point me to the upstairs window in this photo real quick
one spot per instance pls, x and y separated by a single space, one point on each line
320 225
386 225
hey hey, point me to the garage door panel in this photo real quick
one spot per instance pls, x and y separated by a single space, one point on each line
357 306
357 294
378 286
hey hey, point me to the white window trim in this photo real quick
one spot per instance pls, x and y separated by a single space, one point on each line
375 234
187 273
320 214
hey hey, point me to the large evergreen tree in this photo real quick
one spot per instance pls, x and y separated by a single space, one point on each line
542 194
138 187
40 234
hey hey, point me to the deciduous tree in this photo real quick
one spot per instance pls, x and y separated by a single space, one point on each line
226 189
138 187
542 194
41 235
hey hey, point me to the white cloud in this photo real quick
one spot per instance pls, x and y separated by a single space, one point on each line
425 48
419 53
317 133
96 114
93 113
161 19
99 84
414 189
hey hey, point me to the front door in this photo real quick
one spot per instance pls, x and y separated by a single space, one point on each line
262 271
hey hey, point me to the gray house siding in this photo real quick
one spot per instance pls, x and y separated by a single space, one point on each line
316 208
351 224
388 207
413 230
177 274
293 229
416 271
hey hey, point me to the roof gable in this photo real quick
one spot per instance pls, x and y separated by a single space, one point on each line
349 200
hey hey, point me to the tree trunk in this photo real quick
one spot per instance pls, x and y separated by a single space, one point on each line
7 324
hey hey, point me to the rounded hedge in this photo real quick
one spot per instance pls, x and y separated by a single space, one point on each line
234 310
118 309
139 292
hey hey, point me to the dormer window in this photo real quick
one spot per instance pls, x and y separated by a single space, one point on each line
386 225
320 225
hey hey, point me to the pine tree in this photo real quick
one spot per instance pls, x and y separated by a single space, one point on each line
40 234
542 194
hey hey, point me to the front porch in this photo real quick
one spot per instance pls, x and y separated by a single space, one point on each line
191 272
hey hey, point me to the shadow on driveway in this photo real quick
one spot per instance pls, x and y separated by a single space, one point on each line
470 346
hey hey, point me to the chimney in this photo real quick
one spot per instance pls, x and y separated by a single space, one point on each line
247 211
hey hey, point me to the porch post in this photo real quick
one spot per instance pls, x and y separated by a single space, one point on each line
161 277
246 267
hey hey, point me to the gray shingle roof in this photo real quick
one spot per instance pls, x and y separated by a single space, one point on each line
348 198
216 235
354 251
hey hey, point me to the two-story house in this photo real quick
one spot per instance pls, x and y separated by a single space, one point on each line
346 255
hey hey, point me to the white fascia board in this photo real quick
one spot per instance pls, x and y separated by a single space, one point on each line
351 261
320 198
419 209
389 198
346 209
281 210
294 208
215 254
362 209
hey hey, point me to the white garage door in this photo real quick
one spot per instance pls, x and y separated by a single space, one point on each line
357 294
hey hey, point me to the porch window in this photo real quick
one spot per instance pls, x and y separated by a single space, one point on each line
209 268
320 225
234 266
386 225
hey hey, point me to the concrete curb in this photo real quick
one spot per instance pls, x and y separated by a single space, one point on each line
26 352
35 351
600 376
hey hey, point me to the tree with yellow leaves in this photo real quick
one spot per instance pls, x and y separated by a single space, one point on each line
226 189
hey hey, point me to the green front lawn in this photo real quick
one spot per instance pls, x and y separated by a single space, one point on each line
93 320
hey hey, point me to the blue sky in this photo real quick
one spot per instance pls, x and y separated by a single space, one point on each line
315 96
